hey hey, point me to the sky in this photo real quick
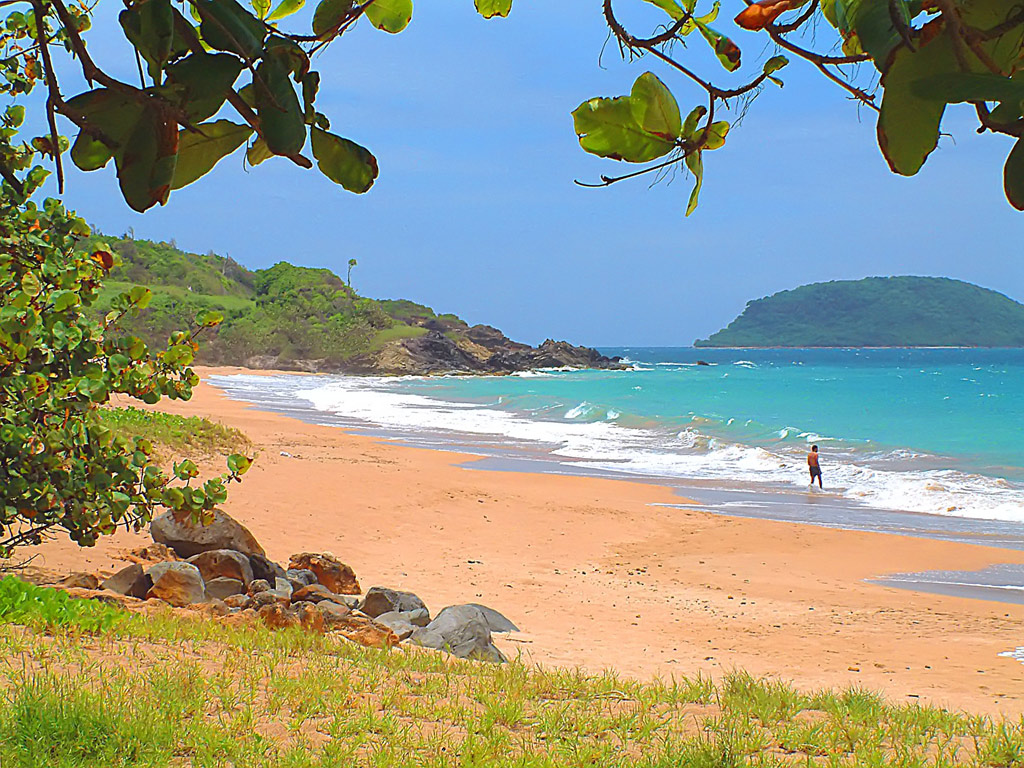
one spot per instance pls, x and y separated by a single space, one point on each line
475 211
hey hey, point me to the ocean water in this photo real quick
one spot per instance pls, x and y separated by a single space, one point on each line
934 431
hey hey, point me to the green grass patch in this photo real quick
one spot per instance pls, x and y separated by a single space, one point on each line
112 288
42 608
394 333
174 689
176 433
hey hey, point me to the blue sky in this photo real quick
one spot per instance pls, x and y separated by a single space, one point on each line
475 210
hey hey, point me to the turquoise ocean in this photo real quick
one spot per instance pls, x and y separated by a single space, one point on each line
938 432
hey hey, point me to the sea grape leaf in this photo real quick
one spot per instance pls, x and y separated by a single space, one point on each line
673 8
759 15
200 150
329 14
113 114
278 107
607 128
773 65
872 22
262 7
716 134
145 163
290 53
149 26
285 8
692 119
390 15
696 165
908 125
1013 176
491 8
206 81
227 26
344 162
655 108
953 87
725 49
258 152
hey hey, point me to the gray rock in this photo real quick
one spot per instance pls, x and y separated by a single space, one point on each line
265 569
176 583
258 585
349 601
398 623
269 597
496 622
333 613
383 600
300 577
284 587
131 581
223 564
187 538
462 631
222 588
238 602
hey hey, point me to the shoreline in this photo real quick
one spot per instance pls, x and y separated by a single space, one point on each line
599 575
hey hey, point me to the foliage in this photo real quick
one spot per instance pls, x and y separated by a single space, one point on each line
24 603
60 467
198 58
168 690
190 434
878 312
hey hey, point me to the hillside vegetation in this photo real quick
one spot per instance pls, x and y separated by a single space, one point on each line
296 317
878 312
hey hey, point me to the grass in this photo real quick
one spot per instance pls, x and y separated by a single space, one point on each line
112 288
395 333
180 690
174 433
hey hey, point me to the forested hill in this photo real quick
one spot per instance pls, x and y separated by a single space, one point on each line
878 312
298 318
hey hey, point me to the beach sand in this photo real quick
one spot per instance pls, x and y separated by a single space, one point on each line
597 577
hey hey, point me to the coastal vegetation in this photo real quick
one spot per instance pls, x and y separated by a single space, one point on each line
191 436
111 688
878 312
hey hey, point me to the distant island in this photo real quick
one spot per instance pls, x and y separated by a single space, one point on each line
298 318
878 312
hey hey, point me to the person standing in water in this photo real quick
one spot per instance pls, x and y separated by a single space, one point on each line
814 466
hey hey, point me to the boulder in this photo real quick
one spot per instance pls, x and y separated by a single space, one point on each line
223 563
269 597
79 580
496 622
176 583
187 538
277 616
284 587
212 607
398 622
258 585
332 612
265 569
240 602
222 588
131 580
462 631
314 593
150 554
383 600
355 627
310 618
300 577
330 572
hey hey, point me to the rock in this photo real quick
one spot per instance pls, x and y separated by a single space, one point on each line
131 580
187 538
277 616
223 563
269 597
213 607
383 600
258 585
284 587
222 588
265 569
310 618
332 612
79 580
240 602
314 593
496 622
176 583
150 554
330 572
300 577
357 628
398 622
462 631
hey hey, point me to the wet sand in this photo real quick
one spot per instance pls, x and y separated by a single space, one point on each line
599 575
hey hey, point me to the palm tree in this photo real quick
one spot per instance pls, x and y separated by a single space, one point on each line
351 263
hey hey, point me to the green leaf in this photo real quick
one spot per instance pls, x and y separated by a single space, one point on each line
281 115
261 7
90 154
390 15
908 125
205 81
145 164
149 26
725 49
696 165
692 120
716 135
258 152
200 150
491 8
63 300
872 22
673 8
238 464
227 26
286 8
140 296
1013 176
607 128
953 87
114 115
329 14
655 108
343 162
773 65
208 318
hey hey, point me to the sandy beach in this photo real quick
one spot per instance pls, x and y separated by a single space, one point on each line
599 577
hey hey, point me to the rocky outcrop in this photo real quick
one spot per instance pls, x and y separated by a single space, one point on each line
187 538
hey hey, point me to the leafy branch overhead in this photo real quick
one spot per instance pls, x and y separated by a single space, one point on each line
196 58
925 54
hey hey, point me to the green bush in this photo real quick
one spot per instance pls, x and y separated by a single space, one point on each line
24 603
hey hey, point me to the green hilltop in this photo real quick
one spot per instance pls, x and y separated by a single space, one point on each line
878 312
303 318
